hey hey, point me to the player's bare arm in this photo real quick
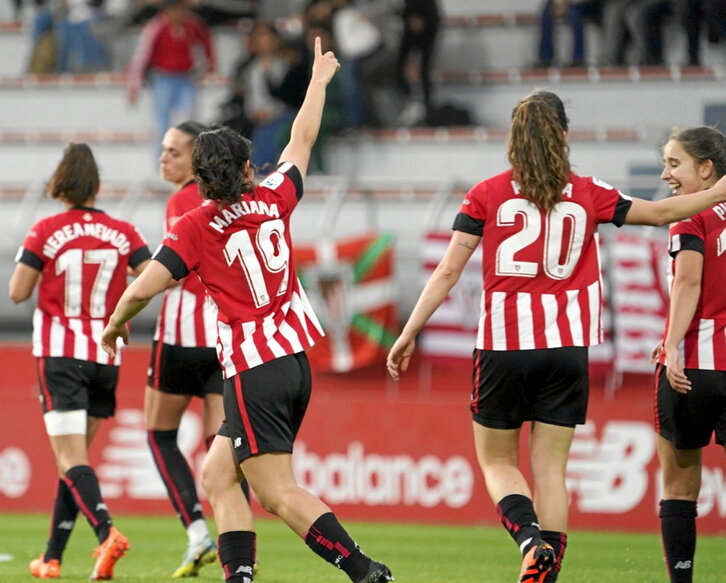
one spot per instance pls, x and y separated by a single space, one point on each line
151 282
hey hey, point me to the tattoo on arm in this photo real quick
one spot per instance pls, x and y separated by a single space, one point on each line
466 244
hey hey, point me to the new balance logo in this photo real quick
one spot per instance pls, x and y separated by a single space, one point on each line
66 525
237 441
682 565
101 506
244 569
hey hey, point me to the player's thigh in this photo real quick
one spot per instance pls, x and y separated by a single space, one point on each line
163 411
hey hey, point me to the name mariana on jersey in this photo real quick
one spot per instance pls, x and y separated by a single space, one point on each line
75 230
227 215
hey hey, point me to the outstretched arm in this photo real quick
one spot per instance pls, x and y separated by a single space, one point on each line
444 277
305 128
675 208
153 280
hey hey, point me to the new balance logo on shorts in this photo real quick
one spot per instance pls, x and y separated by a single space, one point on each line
682 565
237 441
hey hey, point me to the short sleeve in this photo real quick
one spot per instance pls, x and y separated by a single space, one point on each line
139 249
184 240
471 215
33 246
286 182
611 205
687 235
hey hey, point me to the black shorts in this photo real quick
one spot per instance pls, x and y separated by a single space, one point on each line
548 385
182 370
264 406
69 384
688 421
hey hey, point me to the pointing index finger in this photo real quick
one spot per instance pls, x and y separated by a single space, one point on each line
318 50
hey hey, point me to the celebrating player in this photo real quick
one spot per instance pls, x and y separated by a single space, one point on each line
691 398
239 244
540 310
79 260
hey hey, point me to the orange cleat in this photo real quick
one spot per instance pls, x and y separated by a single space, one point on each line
107 553
537 562
42 570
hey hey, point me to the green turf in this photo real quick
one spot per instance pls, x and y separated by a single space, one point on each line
415 553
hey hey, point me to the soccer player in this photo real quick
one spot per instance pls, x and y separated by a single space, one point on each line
690 375
238 242
540 310
183 362
79 260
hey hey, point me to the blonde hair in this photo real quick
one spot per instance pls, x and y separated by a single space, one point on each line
537 148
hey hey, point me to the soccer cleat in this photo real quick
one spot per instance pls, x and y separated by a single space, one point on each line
42 570
107 553
377 573
195 558
537 562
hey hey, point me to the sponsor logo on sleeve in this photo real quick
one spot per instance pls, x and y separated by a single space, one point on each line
273 180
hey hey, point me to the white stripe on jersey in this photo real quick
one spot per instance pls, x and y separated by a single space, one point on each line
594 301
524 321
80 344
224 349
209 315
57 337
552 332
482 318
499 336
249 350
37 332
574 316
171 313
269 329
706 330
301 300
291 336
187 327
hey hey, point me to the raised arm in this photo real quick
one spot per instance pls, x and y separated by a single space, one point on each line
305 128
675 208
444 277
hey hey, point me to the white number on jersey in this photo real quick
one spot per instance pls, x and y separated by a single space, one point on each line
270 242
71 262
560 256
721 243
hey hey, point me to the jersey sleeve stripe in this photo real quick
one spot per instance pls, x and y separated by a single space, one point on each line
27 257
172 261
467 224
139 256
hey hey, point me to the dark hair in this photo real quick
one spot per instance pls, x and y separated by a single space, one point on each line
218 163
537 148
703 143
75 179
191 128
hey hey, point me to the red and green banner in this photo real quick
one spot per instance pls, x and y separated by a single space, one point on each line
350 283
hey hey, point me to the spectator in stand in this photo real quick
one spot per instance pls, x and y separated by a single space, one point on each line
541 309
78 260
420 30
615 33
576 12
691 360
79 50
165 55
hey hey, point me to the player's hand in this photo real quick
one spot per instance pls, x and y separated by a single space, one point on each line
399 356
110 335
674 371
655 353
324 65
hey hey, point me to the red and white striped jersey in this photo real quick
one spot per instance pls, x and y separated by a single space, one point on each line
83 256
704 345
542 286
188 315
243 254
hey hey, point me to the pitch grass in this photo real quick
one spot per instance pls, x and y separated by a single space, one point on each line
415 553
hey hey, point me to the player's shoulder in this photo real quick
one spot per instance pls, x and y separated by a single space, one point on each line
278 181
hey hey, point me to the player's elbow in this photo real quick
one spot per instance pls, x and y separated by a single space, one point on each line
17 295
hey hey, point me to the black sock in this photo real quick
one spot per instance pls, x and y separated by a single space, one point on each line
328 539
83 485
176 475
65 511
519 518
558 541
237 554
678 529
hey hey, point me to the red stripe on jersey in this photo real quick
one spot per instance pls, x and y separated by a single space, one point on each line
245 417
47 399
656 412
563 321
719 349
